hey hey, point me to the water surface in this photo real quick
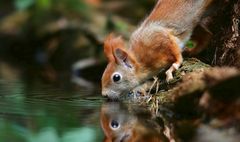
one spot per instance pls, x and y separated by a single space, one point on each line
46 113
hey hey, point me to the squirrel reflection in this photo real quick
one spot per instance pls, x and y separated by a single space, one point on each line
122 123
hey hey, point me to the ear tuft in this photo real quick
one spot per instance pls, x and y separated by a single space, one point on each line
110 44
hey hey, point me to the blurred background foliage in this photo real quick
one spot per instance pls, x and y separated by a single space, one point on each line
44 38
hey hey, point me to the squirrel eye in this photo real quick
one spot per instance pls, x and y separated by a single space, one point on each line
116 77
114 124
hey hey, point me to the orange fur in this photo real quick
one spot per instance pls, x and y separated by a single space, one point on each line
110 44
162 45
108 72
178 13
156 45
131 128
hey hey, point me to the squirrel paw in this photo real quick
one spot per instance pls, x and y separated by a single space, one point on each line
169 76
169 72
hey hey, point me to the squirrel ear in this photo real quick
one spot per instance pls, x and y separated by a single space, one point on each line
115 51
110 44
108 47
123 58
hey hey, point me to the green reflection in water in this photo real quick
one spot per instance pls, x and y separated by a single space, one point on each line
47 114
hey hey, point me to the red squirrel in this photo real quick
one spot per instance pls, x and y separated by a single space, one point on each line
154 46
120 124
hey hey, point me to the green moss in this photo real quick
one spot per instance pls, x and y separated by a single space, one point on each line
189 65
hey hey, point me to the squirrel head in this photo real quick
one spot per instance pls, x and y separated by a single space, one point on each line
120 74
125 123
117 123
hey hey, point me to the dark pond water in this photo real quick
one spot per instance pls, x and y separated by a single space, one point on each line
47 114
